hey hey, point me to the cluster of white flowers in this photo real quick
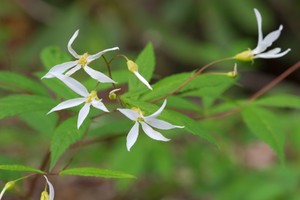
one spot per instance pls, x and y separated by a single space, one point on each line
64 71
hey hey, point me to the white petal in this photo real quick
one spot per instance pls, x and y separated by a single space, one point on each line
160 124
84 111
131 114
59 69
73 70
98 104
152 133
157 113
269 39
272 54
132 136
97 55
98 75
142 79
74 85
68 104
260 35
71 50
51 189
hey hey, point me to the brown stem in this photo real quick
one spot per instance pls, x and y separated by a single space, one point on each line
259 93
277 80
192 77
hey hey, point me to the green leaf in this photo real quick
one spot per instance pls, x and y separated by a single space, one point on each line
146 64
266 126
281 101
206 85
18 83
182 103
211 85
18 104
96 172
165 86
65 135
52 56
173 117
20 168
41 122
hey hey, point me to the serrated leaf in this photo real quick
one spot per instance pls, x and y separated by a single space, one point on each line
146 64
266 126
18 104
52 56
65 135
19 83
173 117
96 172
281 101
182 103
20 168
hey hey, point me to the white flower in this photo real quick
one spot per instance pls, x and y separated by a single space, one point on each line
45 195
136 115
133 67
87 98
262 44
82 62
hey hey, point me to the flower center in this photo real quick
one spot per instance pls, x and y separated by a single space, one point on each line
83 60
138 110
245 56
92 96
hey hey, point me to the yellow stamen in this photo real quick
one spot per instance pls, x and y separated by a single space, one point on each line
44 195
83 60
92 96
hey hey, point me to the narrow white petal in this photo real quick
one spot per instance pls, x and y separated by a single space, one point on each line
160 124
131 114
157 113
73 70
132 136
152 133
98 75
97 55
142 79
84 111
98 104
68 104
271 54
269 39
71 50
74 85
59 69
51 189
259 26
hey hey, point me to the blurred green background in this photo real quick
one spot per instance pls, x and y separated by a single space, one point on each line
186 35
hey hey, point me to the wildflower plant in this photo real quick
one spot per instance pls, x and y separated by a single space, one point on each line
132 102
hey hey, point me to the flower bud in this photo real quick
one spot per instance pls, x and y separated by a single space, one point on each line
234 73
45 195
7 186
112 95
246 56
132 66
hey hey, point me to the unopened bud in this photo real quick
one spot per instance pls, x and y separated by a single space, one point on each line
45 195
234 73
112 94
246 56
132 66
8 185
